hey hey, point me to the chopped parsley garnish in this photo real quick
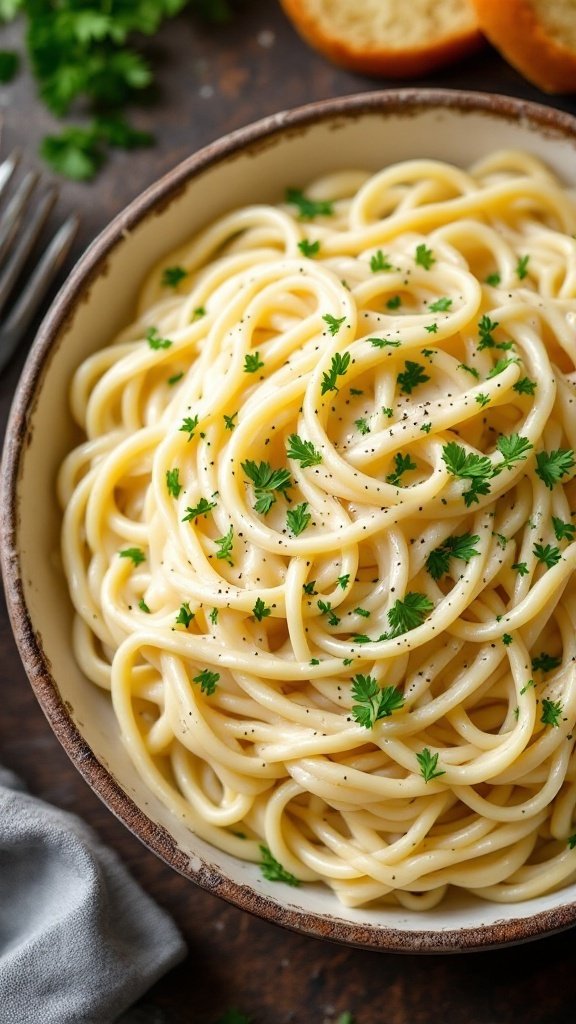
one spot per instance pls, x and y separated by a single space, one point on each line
175 378
326 609
229 421
185 616
374 702
469 369
308 248
547 554
198 313
156 341
394 302
189 424
571 841
252 362
441 305
426 428
363 612
513 448
424 256
201 509
384 343
225 545
551 711
525 386
343 580
334 323
207 681
338 367
482 399
302 451
493 279
171 276
468 466
172 482
260 610
506 639
298 518
431 328
308 588
521 568
403 464
143 606
213 616
308 208
362 425
429 765
411 376
266 482
500 366
552 466
273 870
522 267
378 261
136 555
387 411
407 614
562 530
485 328
545 662
461 546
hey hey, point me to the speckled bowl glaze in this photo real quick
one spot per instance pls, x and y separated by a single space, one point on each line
254 164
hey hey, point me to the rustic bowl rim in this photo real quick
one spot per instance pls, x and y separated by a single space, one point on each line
250 138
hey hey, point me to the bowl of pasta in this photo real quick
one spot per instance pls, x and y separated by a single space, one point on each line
303 613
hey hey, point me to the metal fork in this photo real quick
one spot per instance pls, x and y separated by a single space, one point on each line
20 229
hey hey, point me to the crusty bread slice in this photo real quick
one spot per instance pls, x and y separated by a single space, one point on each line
392 38
538 37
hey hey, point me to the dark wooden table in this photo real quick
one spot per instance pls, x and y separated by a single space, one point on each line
212 81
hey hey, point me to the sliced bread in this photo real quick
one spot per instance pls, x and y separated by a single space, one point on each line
538 37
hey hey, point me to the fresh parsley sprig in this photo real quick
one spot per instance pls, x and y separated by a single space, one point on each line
308 208
267 483
302 451
338 368
552 466
298 518
373 702
273 870
460 546
403 464
207 681
429 765
201 509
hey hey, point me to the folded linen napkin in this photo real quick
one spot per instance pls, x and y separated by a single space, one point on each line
79 939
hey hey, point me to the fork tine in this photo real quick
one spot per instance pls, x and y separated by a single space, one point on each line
15 210
7 168
25 244
25 308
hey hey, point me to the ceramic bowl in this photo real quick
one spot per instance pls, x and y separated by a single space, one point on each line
254 164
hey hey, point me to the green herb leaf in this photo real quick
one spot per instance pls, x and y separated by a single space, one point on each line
334 323
338 367
309 249
309 588
185 616
172 482
172 276
267 482
135 554
551 712
378 261
175 378
493 279
362 425
207 681
373 702
252 362
522 267
525 386
545 662
384 343
156 341
308 208
143 606
521 568
302 451
513 448
326 609
441 305
482 399
562 530
403 465
343 580
229 421
499 367
273 870
429 765
412 375
552 466
189 424
424 257
225 545
213 616
547 554
394 302
407 614
298 518
201 509
461 546
260 610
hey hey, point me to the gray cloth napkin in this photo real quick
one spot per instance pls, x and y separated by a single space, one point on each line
79 939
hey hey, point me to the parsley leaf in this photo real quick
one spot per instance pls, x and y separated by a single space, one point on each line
545 662
525 386
482 399
303 452
362 425
201 509
189 424
229 421
485 328
552 466
156 341
547 554
424 257
378 261
493 279
394 302
522 267
185 616
551 711
468 466
143 606
344 580
252 362
175 378
308 208
384 343
207 681
374 703
403 465
429 765
461 546
338 367
441 305
308 588
172 482
260 610
407 614
298 518
266 481
562 530
513 448
521 568
171 276
135 554
500 366
308 248
334 323
273 870
214 616
225 545
326 609
412 375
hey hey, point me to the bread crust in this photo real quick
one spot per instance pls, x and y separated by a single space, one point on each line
513 27
379 60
